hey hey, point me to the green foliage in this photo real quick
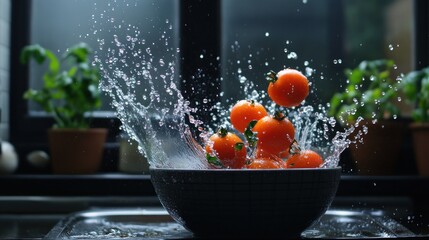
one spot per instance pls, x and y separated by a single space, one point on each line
66 94
415 86
369 93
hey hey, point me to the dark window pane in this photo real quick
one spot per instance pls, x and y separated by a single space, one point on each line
59 24
320 38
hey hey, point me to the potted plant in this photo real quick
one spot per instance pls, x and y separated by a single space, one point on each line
415 86
70 93
367 104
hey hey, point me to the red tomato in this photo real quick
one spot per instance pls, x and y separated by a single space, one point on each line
282 155
275 134
305 159
288 88
245 111
265 163
225 146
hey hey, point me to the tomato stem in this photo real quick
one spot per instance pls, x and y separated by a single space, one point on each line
222 132
278 115
271 76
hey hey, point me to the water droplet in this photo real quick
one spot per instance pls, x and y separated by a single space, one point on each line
399 99
255 94
292 55
161 62
306 63
285 50
201 56
267 34
243 79
309 71
390 47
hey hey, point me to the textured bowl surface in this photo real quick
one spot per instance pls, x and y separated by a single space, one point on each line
280 203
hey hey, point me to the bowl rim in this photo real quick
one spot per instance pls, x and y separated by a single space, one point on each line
243 170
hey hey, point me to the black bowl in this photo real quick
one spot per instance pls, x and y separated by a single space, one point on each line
243 203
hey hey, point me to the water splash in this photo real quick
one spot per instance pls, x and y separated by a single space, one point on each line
145 96
144 90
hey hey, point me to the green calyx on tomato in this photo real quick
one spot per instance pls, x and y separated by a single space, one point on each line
250 135
238 146
278 115
222 132
213 160
271 76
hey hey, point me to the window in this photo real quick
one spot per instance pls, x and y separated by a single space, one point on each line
56 25
321 38
222 41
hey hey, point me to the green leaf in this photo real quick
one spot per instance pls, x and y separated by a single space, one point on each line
35 52
238 146
362 98
54 65
213 160
72 71
250 135
355 77
79 52
30 94
335 103
70 93
417 115
384 75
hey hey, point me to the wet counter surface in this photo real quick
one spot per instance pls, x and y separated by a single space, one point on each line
157 224
35 217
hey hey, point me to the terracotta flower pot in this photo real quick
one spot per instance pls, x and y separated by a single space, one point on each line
76 151
420 133
381 149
